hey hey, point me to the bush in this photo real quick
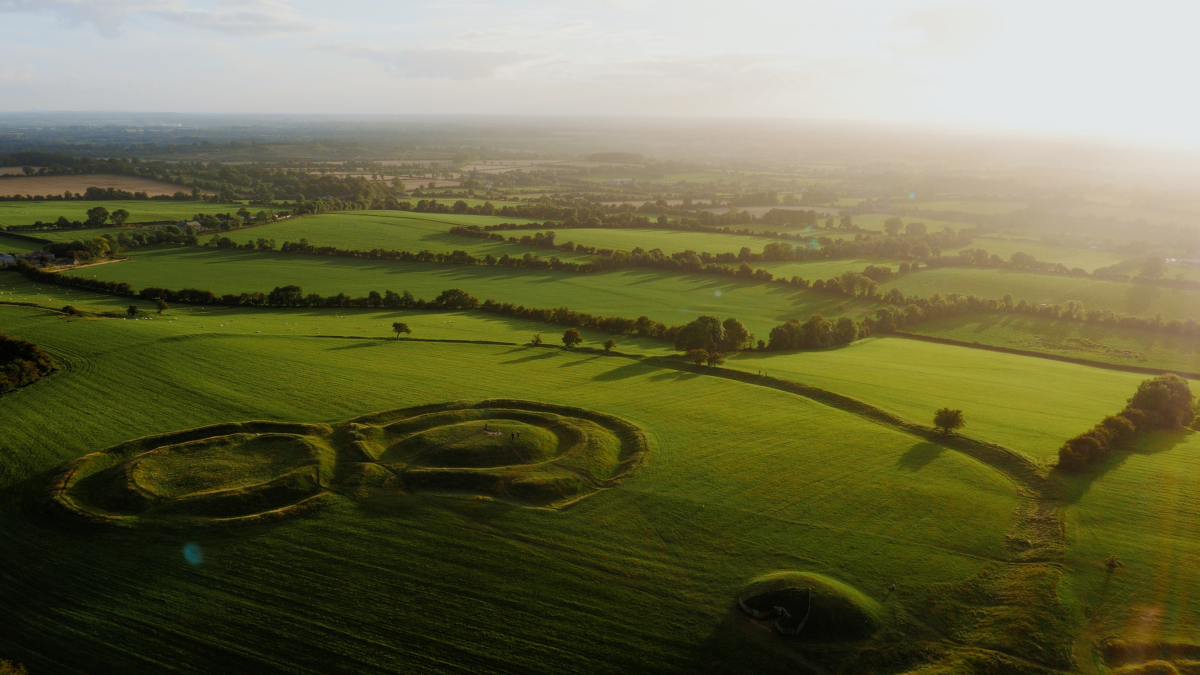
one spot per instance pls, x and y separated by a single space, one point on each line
21 363
947 420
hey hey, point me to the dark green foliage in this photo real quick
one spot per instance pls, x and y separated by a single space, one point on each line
947 420
698 356
1163 402
705 333
815 333
21 363
400 327
571 337
737 336
610 344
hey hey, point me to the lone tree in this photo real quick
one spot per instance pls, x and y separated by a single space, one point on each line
609 344
400 327
698 356
162 305
133 310
571 338
537 339
947 420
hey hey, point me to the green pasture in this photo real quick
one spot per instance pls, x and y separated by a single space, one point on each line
140 211
1088 259
640 577
1029 404
391 230
1141 507
16 245
666 297
1124 298
181 320
1076 339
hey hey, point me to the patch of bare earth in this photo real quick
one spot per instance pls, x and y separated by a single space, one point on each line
56 185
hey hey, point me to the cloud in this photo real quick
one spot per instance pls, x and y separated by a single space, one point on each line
451 63
238 17
952 30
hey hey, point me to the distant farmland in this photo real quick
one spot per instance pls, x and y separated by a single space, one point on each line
56 185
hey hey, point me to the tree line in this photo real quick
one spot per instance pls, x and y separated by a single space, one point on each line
1164 402
21 363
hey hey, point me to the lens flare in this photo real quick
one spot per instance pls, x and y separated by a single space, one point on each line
193 553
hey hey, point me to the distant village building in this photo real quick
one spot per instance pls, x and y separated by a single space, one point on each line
6 260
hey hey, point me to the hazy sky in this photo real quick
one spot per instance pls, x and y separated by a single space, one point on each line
1092 67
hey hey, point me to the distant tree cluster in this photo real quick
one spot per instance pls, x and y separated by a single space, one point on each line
21 363
712 335
1164 402
816 333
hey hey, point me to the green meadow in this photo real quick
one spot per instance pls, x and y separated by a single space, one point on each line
1075 339
1029 404
388 585
1124 298
669 298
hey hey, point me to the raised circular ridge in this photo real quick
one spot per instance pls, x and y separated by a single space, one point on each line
256 470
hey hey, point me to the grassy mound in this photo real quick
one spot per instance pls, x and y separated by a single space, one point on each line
520 451
812 607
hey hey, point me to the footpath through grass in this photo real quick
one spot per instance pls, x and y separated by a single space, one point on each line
740 481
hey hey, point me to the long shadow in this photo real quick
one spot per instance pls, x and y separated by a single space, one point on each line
541 354
1075 486
919 456
360 345
624 372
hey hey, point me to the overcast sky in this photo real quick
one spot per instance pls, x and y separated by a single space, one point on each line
1091 68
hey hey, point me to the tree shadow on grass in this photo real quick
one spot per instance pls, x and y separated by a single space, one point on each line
360 345
624 372
675 375
537 356
1075 486
919 456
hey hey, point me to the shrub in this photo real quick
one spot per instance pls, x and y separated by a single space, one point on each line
947 420
571 338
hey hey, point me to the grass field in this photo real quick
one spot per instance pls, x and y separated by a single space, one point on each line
1140 507
393 230
26 213
1076 339
669 298
1025 403
376 586
1125 298
1085 258
15 245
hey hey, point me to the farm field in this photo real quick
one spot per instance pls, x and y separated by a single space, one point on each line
183 319
1140 507
393 230
27 213
16 245
1087 259
681 535
1029 404
669 298
965 206
1124 298
56 185
1096 342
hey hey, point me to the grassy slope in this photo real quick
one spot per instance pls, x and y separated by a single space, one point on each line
428 584
15 245
670 298
1041 288
1098 342
1088 259
1141 507
25 213
1029 404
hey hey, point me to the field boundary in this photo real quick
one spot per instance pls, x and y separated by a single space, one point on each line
1144 370
1029 474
